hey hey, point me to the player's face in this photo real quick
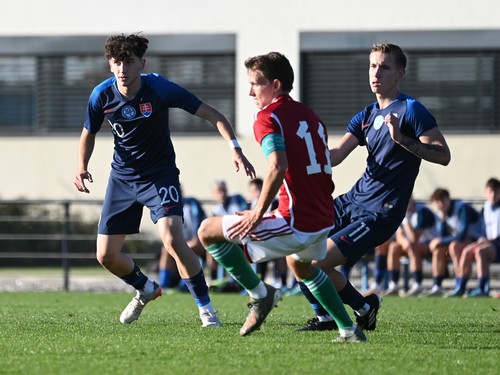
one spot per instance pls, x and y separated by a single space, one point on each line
219 194
384 74
127 72
492 195
253 191
442 205
261 89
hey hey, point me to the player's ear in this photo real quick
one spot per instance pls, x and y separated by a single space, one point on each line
143 64
277 85
401 74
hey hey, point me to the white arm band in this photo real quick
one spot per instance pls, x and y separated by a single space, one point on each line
233 143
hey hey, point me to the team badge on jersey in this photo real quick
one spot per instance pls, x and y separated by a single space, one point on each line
146 109
379 121
128 112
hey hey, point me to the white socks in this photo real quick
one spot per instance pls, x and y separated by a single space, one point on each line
259 292
207 308
347 332
148 287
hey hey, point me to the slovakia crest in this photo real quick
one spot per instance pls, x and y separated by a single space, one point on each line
146 109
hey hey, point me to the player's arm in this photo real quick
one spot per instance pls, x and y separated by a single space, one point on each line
435 148
85 149
430 146
343 148
219 121
277 164
273 146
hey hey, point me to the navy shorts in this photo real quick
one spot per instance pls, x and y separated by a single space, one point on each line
124 202
358 231
496 246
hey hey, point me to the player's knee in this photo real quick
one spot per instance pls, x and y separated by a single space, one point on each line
207 232
203 231
105 258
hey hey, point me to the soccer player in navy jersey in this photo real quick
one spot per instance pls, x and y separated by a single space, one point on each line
412 240
458 224
295 143
486 249
143 170
398 132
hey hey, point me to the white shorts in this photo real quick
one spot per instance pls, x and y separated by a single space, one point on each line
274 238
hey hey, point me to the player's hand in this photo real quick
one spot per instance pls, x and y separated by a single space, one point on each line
80 181
240 160
392 122
249 220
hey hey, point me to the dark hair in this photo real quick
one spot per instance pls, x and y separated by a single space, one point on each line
493 184
273 66
120 47
258 182
220 184
440 194
391 49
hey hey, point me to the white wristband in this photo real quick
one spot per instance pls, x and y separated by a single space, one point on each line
233 143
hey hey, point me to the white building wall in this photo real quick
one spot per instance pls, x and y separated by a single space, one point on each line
43 167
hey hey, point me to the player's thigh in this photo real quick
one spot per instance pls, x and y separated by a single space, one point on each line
220 225
273 238
357 238
286 245
421 249
332 258
315 250
162 196
120 213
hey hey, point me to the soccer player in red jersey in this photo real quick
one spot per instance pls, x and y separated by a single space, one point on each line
295 143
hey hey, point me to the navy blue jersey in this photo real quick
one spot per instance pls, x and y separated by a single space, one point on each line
193 215
233 203
461 223
422 219
143 148
388 180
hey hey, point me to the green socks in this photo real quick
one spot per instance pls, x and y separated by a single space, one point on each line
322 288
231 257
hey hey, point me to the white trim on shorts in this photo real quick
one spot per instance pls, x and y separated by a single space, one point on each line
274 238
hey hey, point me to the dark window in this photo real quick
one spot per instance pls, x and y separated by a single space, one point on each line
17 92
460 88
44 94
211 78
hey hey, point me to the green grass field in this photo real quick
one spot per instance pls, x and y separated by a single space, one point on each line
79 333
